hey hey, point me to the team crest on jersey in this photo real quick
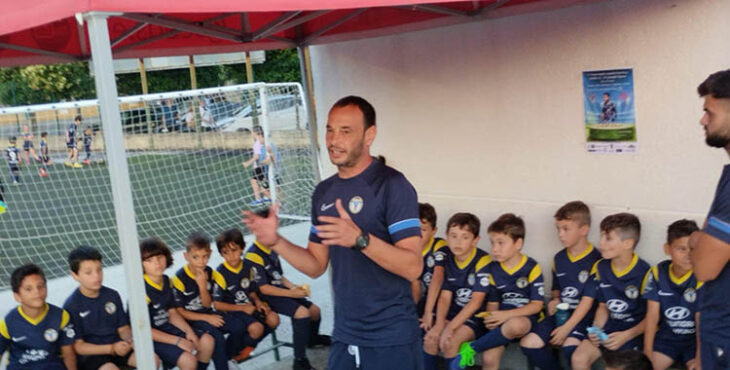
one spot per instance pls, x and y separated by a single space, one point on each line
51 335
484 281
471 279
110 308
583 276
70 332
276 275
429 261
690 295
522 282
245 283
356 204
240 296
631 292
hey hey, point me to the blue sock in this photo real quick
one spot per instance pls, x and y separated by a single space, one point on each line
202 365
568 352
542 358
430 362
448 360
490 340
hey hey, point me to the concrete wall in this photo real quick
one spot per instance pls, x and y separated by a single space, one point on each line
487 117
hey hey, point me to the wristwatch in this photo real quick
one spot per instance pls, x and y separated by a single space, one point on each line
362 241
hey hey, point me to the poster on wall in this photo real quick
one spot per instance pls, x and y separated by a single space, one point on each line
610 120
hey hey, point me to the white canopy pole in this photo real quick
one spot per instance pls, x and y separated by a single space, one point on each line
106 90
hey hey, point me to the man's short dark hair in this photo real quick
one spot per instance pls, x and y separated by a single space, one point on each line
197 240
154 246
627 360
574 211
427 213
680 229
626 226
716 85
365 107
465 220
509 224
78 118
230 236
20 273
44 134
81 254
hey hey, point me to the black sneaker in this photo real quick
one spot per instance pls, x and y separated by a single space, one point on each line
302 364
320 340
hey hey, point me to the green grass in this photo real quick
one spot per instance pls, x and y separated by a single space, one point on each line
174 194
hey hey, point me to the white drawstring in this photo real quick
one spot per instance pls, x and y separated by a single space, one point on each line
355 351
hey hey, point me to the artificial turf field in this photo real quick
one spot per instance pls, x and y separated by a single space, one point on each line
175 193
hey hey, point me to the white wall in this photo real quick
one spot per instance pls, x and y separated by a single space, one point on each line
487 117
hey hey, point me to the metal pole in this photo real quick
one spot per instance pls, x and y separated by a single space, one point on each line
305 64
251 95
263 95
193 78
143 77
106 90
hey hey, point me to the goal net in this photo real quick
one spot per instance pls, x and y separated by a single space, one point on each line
186 152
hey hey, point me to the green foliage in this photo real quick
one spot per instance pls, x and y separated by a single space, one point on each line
51 83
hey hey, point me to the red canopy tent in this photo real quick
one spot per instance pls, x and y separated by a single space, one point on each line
53 31
47 31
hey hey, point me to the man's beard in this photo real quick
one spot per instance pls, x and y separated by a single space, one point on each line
717 141
352 156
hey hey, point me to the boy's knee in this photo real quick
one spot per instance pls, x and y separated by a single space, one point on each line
207 341
580 359
187 361
301 313
516 328
531 340
255 330
314 312
272 320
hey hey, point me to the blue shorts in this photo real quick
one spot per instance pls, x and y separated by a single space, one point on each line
678 351
71 144
285 305
14 168
402 357
714 356
474 323
168 353
27 145
544 328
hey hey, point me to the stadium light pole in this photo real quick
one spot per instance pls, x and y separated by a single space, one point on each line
106 91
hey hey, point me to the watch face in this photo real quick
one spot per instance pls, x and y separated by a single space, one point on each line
361 242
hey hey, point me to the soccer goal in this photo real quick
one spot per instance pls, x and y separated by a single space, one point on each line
186 152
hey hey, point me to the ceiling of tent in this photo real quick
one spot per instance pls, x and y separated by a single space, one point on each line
47 31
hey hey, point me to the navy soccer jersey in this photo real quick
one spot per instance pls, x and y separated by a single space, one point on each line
186 291
621 292
714 325
571 273
87 142
71 132
373 307
13 155
236 286
677 297
97 320
515 287
35 343
462 279
44 148
159 300
27 142
435 255
263 266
